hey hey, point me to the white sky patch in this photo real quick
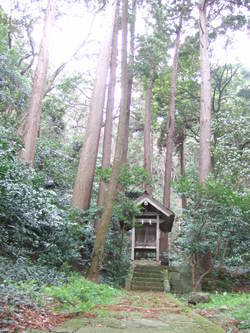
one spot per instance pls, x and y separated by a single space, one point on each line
237 52
72 28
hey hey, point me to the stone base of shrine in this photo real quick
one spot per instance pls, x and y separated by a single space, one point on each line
150 275
147 275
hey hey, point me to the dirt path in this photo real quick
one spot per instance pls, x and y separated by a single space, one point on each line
140 312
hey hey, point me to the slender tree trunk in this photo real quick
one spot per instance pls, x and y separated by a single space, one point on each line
86 169
130 79
107 140
32 122
205 99
147 135
98 250
171 121
170 134
182 169
10 32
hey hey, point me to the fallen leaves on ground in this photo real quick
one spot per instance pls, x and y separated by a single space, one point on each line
29 317
151 305
227 324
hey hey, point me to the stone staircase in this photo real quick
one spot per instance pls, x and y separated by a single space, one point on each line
148 278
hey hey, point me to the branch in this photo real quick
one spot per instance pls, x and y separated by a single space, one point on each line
50 84
31 42
221 86
244 144
183 90
211 266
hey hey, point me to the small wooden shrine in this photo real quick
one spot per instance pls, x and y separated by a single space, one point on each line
154 218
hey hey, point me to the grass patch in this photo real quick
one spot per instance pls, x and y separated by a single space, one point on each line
80 294
238 305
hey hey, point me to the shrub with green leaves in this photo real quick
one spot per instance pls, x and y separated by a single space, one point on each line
31 222
80 294
215 222
14 87
237 305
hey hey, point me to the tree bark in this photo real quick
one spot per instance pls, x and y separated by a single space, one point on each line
205 99
107 140
170 133
86 169
130 80
171 120
148 135
32 122
98 250
182 170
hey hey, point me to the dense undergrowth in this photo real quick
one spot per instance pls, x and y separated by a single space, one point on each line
80 294
232 306
43 242
37 289
37 223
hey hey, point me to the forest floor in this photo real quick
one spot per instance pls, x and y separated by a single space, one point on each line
139 312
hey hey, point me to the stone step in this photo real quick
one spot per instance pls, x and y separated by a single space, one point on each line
147 284
148 275
150 268
147 288
147 279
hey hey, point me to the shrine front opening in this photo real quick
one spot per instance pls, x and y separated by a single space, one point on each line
147 227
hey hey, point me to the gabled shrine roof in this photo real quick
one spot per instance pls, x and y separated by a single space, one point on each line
149 204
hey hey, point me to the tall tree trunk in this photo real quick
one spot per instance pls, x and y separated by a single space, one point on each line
86 169
205 122
130 80
107 140
148 135
205 99
32 122
98 250
182 170
171 121
170 133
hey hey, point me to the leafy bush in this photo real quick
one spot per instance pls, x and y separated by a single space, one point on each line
23 270
80 294
31 222
238 305
215 223
20 287
116 258
14 87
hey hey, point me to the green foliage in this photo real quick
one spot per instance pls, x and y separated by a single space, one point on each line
80 294
238 305
42 227
13 297
57 165
116 261
130 178
24 270
230 130
14 88
215 222
20 286
31 222
151 54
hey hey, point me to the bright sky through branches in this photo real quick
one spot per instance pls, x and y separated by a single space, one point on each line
74 26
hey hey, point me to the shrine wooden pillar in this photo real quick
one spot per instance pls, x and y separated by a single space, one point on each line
133 241
157 238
